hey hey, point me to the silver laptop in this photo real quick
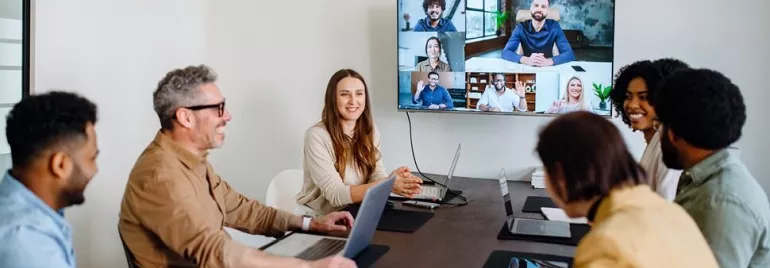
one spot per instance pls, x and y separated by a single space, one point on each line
531 227
437 192
314 247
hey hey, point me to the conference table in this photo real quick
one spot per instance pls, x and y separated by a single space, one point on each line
480 64
464 236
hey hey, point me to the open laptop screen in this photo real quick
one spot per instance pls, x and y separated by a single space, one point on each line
506 195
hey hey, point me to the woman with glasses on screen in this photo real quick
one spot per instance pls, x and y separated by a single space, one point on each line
433 63
574 99
635 87
341 153
590 173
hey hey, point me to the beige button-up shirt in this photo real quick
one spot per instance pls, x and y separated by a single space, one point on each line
175 207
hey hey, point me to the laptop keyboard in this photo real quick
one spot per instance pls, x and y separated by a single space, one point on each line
429 192
322 249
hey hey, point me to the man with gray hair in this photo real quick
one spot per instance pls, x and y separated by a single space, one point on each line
175 206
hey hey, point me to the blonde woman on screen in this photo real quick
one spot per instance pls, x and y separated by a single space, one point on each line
341 153
574 99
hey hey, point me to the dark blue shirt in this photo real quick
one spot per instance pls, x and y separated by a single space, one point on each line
436 96
444 25
538 42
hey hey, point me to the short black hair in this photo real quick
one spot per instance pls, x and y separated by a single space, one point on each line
42 121
438 41
591 153
652 72
703 107
667 66
432 73
427 3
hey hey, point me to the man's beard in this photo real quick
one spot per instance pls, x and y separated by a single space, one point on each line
499 87
73 192
670 154
431 16
535 16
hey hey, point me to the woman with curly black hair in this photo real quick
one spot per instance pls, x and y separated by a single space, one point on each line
632 95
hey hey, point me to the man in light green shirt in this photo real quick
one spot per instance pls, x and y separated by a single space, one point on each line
702 114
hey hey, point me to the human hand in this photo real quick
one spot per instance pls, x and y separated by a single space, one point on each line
332 222
406 184
556 106
420 86
537 59
494 109
442 106
433 107
519 88
527 61
547 62
333 262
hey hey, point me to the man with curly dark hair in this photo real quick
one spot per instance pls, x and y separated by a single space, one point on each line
434 20
702 113
53 149
635 86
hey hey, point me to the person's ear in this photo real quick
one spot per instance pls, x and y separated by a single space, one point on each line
60 164
184 117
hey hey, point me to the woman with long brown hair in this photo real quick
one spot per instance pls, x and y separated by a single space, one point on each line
341 153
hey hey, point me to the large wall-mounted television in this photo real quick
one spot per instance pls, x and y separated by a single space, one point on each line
518 57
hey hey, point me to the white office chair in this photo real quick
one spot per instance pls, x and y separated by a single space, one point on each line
281 195
283 189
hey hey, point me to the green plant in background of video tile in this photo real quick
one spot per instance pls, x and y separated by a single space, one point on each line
603 92
500 19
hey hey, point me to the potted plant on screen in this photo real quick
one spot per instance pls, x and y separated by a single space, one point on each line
500 19
603 92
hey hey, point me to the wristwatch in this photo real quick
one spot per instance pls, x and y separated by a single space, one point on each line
306 223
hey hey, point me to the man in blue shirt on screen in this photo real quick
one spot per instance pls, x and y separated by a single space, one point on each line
434 21
433 96
537 38
53 150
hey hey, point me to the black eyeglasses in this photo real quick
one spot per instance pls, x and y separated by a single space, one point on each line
220 106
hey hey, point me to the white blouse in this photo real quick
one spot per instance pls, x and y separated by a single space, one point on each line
663 180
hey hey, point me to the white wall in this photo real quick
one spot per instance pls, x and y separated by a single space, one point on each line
238 50
114 52
274 70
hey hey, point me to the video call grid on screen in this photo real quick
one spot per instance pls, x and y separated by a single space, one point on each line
546 58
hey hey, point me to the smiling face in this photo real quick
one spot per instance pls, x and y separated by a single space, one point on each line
499 82
434 11
637 105
575 89
211 123
84 169
351 98
539 9
433 49
433 80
